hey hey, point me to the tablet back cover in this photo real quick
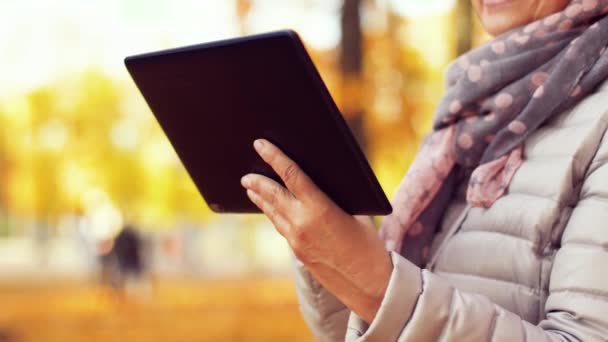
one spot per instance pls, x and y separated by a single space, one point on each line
213 100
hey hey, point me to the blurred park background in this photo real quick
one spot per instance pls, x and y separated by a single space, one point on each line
81 156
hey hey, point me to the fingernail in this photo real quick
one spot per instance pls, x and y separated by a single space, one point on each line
258 144
246 181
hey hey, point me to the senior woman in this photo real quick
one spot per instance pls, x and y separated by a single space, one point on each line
500 226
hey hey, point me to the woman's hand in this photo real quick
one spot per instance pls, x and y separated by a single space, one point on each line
343 252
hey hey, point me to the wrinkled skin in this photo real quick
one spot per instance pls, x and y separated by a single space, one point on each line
343 252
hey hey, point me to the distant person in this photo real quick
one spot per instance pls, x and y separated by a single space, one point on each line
127 252
500 227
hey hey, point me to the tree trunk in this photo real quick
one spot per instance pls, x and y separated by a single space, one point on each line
351 67
464 26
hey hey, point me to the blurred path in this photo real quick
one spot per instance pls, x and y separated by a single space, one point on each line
177 310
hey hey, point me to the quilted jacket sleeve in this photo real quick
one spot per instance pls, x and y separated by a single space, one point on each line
325 315
421 306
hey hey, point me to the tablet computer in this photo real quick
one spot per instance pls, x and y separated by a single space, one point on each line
213 100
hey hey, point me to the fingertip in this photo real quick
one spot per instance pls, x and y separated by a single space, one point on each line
246 181
258 144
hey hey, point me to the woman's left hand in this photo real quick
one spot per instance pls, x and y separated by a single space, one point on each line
343 252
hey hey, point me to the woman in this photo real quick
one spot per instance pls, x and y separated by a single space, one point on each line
500 227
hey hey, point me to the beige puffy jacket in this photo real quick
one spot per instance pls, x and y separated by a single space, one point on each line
533 267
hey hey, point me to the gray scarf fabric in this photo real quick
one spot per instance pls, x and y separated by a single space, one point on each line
497 95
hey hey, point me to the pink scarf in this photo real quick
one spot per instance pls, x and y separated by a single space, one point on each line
497 95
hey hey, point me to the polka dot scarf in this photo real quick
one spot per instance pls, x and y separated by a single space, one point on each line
497 95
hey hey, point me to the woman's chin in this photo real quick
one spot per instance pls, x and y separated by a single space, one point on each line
497 23
499 16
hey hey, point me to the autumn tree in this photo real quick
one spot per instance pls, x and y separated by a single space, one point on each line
351 67
464 26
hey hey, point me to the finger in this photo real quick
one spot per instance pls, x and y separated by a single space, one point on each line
364 219
300 185
271 192
279 222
